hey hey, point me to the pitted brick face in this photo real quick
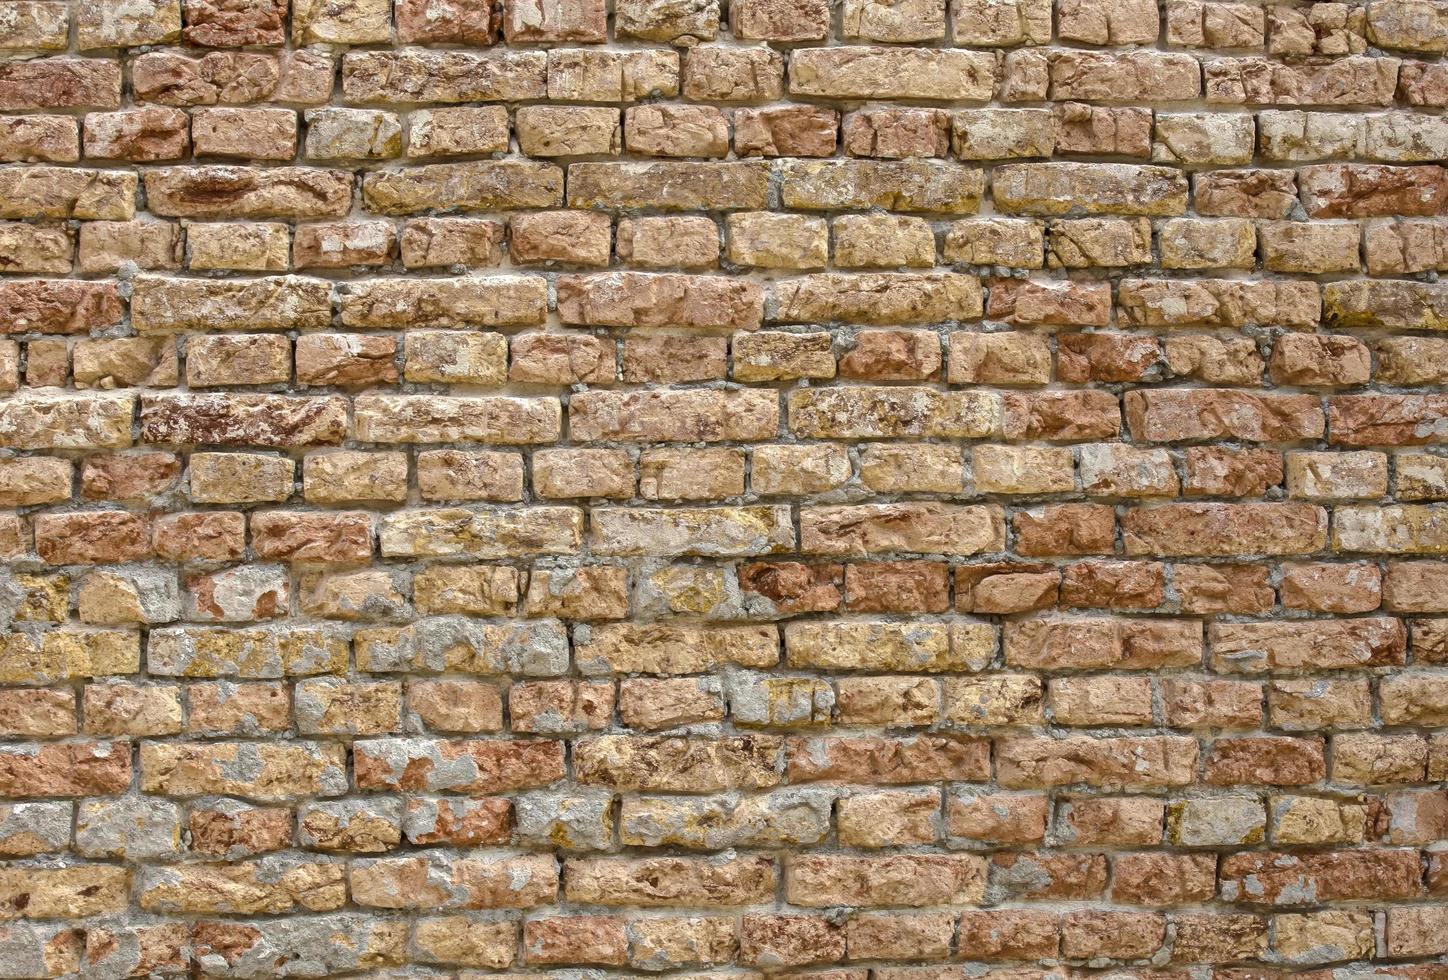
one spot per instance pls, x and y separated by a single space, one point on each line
876 490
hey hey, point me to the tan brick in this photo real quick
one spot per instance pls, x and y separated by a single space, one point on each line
890 73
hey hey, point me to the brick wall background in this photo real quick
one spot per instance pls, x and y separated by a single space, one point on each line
882 490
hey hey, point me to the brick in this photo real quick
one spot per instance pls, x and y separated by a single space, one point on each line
457 131
1114 23
281 772
562 473
39 139
105 246
863 241
1353 80
358 23
1092 242
53 192
636 299
1328 30
878 298
1110 820
1196 244
245 192
652 22
667 358
885 935
1010 934
1334 587
787 130
1332 875
669 186
894 23
611 76
777 241
772 20
984 24
298 537
273 420
217 23
60 83
1265 761
1200 139
717 73
666 242
1121 935
886 761
541 20
233 77
477 186
888 73
129 475
1103 762
795 940
263 134
1136 76
1013 242
260 247
1113 130
41 26
31 480
716 531
161 305
564 131
1055 188
915 880
674 416
343 244
1140 644
924 528
1036 303
1061 416
1218 529
572 237
676 131
913 185
1408 27
499 534
369 939
147 134
1414 930
1367 304
883 646
404 418
1370 190
1165 416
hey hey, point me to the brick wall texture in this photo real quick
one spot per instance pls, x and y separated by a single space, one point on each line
851 489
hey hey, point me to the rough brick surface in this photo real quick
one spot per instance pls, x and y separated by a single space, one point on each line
860 490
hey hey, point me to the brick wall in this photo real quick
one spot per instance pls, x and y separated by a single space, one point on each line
877 490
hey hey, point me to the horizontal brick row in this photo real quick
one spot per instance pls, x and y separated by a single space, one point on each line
712 303
715 939
750 239
1044 188
725 74
168 132
347 477
117 420
931 528
1283 31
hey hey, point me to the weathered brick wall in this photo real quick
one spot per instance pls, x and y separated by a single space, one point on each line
888 487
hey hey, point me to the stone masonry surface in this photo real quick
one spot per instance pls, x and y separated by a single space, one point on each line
827 489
